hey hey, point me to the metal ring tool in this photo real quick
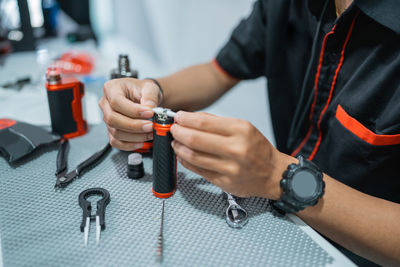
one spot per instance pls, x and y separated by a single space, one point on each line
87 208
236 216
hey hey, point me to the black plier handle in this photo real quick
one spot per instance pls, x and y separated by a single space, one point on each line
63 181
62 158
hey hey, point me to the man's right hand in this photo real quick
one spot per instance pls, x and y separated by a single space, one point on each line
127 105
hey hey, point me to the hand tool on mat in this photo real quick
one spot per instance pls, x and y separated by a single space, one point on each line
236 216
62 158
160 236
100 212
164 159
18 84
63 178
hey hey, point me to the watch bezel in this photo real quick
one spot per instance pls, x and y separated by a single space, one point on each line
290 201
317 192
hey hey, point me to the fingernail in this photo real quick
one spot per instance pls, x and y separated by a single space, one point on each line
150 103
150 136
137 146
146 114
173 143
147 127
178 115
179 159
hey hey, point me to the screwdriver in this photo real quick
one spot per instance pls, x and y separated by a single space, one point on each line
164 159
160 236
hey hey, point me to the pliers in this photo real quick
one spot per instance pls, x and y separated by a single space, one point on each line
64 178
18 84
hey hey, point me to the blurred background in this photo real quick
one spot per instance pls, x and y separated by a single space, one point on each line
85 37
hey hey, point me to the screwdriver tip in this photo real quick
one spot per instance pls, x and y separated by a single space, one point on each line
159 252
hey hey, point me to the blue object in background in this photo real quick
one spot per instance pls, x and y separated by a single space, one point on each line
50 12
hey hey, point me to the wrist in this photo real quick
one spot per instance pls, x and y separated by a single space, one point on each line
160 89
280 165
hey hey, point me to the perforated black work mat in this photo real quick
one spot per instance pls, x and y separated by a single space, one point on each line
40 227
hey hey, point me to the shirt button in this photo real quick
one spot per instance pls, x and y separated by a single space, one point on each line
332 57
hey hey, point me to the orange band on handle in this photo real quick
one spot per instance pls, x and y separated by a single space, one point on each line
161 129
163 195
145 148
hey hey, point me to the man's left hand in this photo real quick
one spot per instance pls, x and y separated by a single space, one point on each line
230 153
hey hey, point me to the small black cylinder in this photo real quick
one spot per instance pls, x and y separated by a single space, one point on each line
135 166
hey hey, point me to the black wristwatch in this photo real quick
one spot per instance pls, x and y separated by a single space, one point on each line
302 187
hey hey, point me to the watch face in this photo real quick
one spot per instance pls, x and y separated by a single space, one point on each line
304 184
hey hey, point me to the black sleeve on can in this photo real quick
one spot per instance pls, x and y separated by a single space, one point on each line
60 105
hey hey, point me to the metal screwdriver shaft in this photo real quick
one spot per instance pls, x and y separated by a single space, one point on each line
160 236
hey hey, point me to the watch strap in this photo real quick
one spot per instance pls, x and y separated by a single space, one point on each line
287 203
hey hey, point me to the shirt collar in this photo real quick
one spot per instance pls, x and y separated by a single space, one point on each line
385 12
315 7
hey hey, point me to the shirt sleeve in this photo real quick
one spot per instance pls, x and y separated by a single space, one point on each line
243 56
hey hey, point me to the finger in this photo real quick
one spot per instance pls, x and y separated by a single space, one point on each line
150 94
129 137
207 122
213 177
120 101
202 141
204 160
207 174
128 87
116 120
127 146
130 109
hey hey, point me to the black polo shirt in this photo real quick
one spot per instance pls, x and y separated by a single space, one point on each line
348 120
351 127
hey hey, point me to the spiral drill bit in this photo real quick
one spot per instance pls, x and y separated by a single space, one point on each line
160 236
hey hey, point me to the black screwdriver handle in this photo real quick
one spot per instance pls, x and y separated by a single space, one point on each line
164 159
